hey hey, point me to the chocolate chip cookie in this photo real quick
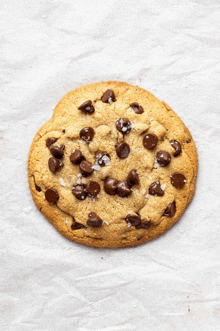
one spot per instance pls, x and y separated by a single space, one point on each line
114 167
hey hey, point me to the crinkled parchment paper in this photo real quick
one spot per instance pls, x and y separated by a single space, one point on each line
171 48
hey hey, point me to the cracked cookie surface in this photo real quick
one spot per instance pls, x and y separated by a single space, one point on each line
113 167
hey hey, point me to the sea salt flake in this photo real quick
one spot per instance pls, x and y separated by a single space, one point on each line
107 223
150 177
110 100
129 224
163 186
143 191
93 199
62 182
96 167
79 178
106 160
73 150
98 196
147 196
65 221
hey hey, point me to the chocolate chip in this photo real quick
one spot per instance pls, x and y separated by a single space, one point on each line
176 145
132 178
102 158
50 141
76 226
122 150
87 134
37 188
123 125
76 157
51 196
144 224
111 186
87 107
93 188
188 141
94 220
178 180
137 108
54 164
123 189
108 97
79 191
133 219
150 140
170 210
86 168
163 158
57 151
155 189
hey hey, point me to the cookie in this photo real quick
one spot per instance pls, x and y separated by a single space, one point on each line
113 167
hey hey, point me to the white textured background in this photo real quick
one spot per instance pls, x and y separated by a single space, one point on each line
171 48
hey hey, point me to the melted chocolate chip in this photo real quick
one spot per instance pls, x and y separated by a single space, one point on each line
79 191
137 108
122 150
51 196
93 188
123 125
86 168
76 157
170 210
123 189
150 140
94 220
57 151
37 188
54 164
176 145
144 224
76 226
163 158
50 141
155 189
87 107
111 186
178 180
108 97
132 178
102 158
87 134
133 219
